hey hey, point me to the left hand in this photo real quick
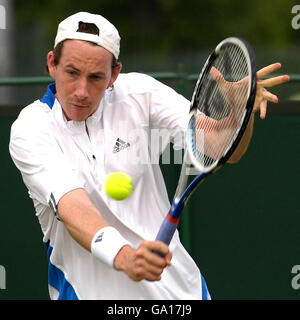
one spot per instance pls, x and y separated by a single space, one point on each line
262 94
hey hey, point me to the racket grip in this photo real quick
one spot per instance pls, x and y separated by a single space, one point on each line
167 229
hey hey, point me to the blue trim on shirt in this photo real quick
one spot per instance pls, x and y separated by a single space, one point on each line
205 294
49 96
57 280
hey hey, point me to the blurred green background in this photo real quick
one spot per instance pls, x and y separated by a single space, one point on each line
244 220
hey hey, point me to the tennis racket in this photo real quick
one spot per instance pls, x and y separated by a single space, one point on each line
220 109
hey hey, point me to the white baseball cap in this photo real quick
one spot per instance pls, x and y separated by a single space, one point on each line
108 37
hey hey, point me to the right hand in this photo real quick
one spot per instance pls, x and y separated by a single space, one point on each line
143 263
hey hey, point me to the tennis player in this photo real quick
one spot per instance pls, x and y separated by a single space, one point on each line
82 129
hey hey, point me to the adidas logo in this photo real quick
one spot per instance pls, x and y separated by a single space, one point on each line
99 238
120 145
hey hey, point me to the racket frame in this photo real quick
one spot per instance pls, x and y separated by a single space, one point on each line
250 58
183 193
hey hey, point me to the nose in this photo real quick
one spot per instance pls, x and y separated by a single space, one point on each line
81 92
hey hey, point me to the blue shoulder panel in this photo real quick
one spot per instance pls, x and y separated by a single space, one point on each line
49 96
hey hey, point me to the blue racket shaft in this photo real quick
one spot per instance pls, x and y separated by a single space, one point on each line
171 221
167 228
169 225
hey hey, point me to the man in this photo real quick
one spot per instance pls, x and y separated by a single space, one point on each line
64 146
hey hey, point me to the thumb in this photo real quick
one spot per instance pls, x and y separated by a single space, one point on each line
216 75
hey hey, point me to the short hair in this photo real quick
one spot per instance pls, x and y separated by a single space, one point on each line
82 27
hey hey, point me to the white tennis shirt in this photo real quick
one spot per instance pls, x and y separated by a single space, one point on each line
132 125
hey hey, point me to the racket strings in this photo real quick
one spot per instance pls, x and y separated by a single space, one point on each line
221 105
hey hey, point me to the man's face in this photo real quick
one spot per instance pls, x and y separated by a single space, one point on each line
82 75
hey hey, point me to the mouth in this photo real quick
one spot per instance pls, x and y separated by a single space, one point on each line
81 106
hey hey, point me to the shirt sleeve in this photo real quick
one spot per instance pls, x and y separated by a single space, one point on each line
44 169
170 113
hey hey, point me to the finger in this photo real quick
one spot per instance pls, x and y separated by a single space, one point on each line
216 74
270 96
267 70
153 271
154 252
142 273
271 82
168 259
152 277
263 109
153 258
158 246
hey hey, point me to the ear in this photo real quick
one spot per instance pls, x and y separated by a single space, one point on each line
51 64
115 73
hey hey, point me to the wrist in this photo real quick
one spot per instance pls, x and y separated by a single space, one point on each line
122 257
106 244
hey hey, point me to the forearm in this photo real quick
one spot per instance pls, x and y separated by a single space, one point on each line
80 217
244 143
84 222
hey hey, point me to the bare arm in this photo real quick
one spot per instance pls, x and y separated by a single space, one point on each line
80 217
82 220
244 143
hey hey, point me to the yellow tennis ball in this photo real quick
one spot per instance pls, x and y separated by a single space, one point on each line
118 185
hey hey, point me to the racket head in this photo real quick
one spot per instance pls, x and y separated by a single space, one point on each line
222 104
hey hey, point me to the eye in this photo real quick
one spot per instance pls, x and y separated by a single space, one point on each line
95 77
71 73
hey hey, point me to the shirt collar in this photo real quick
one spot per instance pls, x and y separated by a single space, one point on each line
49 98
